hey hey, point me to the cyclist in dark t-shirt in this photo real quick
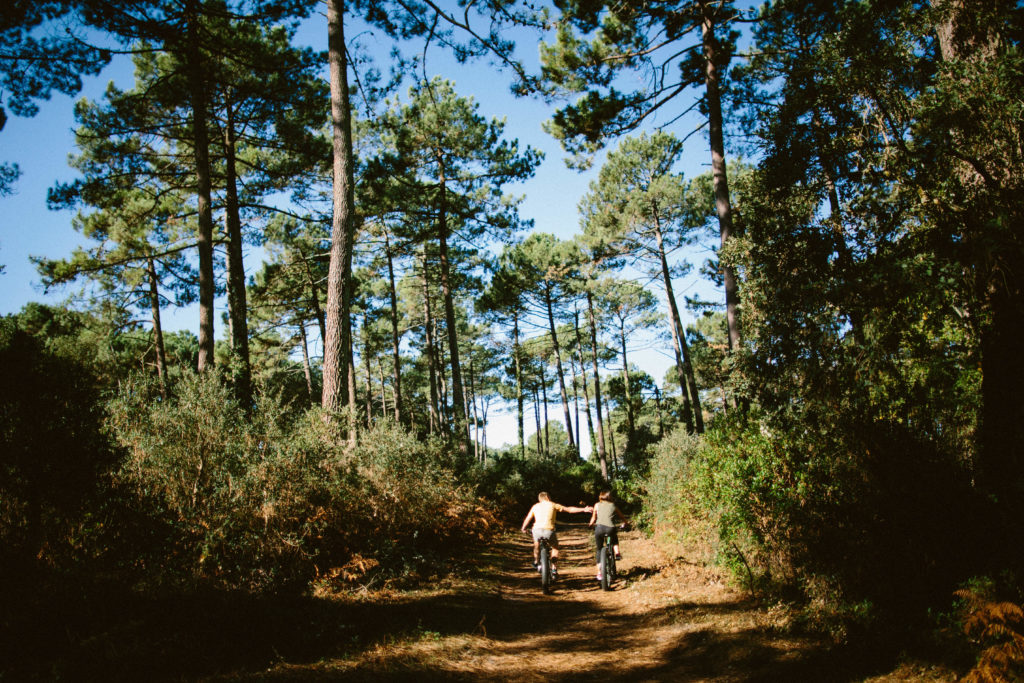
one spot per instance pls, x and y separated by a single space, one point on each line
603 522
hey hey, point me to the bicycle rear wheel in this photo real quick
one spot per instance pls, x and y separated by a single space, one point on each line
545 567
606 568
610 551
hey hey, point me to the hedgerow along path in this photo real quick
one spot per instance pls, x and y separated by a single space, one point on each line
668 619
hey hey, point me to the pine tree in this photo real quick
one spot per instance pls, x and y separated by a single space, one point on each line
595 42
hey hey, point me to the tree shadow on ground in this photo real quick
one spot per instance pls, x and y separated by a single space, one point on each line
93 631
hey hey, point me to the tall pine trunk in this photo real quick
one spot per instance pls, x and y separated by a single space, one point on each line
307 370
586 389
558 363
458 400
517 360
158 332
338 375
201 151
630 420
547 420
395 335
684 367
602 456
611 438
575 396
241 374
720 179
536 419
369 375
314 295
428 324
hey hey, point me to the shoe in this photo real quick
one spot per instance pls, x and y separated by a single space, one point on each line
537 567
554 573
618 556
599 577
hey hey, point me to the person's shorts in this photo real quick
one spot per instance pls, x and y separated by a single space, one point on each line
548 534
600 531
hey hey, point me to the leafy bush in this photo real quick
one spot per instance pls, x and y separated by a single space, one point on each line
670 505
255 499
864 524
53 455
512 483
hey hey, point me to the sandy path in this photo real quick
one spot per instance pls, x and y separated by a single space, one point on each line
667 620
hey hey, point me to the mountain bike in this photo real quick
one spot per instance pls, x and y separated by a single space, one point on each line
607 562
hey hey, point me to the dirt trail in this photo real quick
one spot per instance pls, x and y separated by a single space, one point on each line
666 620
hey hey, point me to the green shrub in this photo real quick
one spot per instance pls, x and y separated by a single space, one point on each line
512 483
865 524
670 504
53 455
257 499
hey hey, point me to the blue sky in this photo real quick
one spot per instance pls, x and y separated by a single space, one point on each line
41 146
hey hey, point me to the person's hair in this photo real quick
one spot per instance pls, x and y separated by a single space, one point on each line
605 495
543 495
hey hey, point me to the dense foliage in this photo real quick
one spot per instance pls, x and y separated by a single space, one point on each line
843 427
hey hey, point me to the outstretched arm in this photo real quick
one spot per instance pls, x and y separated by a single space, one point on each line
526 521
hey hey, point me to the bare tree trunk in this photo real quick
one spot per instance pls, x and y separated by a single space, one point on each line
517 360
536 418
485 405
395 336
369 376
575 397
337 341
476 421
547 420
630 421
684 367
383 396
204 208
611 439
661 419
442 378
428 325
459 417
602 457
305 361
241 374
586 390
314 296
158 332
713 98
558 363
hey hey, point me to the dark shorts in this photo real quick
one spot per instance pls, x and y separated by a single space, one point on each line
600 531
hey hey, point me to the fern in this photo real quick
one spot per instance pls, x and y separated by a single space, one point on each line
998 628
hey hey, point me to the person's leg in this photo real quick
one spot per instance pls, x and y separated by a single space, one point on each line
599 533
554 549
